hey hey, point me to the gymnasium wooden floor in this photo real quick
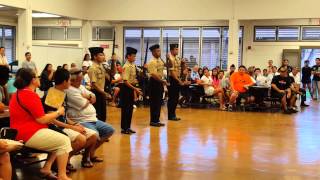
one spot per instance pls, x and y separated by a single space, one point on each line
209 144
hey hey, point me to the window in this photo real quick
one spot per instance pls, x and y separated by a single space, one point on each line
311 33
7 40
210 55
265 33
56 33
289 33
74 33
173 36
153 37
133 39
102 33
190 44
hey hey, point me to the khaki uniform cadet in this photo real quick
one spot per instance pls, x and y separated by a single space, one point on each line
155 69
98 75
175 83
127 91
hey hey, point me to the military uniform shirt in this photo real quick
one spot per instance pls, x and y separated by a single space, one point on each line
129 73
97 75
175 63
156 66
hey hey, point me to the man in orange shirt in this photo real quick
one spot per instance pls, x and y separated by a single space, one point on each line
240 83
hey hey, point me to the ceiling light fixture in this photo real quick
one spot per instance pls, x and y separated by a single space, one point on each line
44 15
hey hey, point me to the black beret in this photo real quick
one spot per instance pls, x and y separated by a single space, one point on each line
95 50
131 50
156 46
172 46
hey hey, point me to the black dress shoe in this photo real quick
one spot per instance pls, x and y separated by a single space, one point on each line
174 119
293 110
158 124
287 111
125 131
304 105
131 131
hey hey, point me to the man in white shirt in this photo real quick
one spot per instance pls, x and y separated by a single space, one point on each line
28 64
3 58
80 109
297 84
206 82
260 79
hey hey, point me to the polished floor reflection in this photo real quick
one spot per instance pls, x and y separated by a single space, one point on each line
209 144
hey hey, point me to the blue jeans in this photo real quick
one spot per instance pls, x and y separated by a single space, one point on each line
103 129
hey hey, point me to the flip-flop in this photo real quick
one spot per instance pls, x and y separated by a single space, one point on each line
96 159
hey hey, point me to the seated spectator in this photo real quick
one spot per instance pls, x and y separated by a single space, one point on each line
73 65
260 79
28 63
115 82
10 87
265 72
79 136
209 90
28 117
270 66
65 66
4 77
232 70
195 74
86 61
281 88
240 82
86 79
297 86
200 71
185 90
81 110
215 78
46 78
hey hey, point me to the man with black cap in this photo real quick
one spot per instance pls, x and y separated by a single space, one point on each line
155 69
174 80
98 76
127 91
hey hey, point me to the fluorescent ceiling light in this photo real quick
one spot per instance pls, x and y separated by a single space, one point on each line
44 15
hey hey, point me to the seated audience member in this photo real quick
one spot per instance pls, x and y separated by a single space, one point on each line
281 88
265 72
195 74
224 84
114 58
185 90
215 78
65 66
5 163
28 117
46 78
285 63
4 77
209 90
115 82
79 136
73 65
10 87
260 79
270 66
200 72
81 110
86 79
86 61
28 63
232 70
296 88
240 82
250 71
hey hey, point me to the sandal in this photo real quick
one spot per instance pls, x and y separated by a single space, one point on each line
96 159
86 164
48 175
71 168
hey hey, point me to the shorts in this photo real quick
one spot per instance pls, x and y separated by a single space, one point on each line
277 95
103 129
244 95
74 134
209 91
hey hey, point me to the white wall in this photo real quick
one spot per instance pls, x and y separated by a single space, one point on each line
261 52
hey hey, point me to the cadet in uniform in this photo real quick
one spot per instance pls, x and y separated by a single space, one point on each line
175 82
155 69
98 75
127 91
